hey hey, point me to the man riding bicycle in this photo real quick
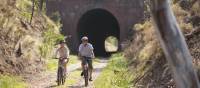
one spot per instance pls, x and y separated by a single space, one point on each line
62 53
86 54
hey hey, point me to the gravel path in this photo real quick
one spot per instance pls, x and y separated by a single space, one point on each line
97 70
47 79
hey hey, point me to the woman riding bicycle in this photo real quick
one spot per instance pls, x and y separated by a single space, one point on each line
62 53
86 54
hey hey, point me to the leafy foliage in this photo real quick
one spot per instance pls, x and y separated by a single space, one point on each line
25 7
111 44
50 39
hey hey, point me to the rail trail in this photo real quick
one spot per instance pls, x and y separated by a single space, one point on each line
48 79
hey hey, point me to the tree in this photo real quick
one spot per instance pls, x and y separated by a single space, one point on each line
174 45
41 2
33 10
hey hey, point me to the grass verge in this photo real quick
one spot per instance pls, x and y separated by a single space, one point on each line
11 82
115 75
73 78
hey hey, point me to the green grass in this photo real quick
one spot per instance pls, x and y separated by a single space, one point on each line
53 63
73 78
115 75
73 59
25 6
11 82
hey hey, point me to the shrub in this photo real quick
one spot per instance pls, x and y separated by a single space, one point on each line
11 82
50 39
115 75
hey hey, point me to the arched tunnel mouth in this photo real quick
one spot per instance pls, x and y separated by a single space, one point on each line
98 25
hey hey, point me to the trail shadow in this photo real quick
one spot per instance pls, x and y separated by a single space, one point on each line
104 60
94 70
52 86
76 86
97 70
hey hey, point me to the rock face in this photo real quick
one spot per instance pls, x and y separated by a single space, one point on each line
91 17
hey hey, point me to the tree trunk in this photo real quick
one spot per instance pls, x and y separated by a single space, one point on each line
41 2
174 45
33 9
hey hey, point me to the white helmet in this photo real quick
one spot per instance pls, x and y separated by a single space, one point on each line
84 38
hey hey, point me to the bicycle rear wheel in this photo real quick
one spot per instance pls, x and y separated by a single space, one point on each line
63 76
86 77
59 76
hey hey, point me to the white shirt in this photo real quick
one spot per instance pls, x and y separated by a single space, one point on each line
62 52
86 50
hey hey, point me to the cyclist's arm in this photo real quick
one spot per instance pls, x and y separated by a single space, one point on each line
92 50
93 56
79 51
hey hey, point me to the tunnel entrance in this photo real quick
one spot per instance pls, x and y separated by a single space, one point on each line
98 24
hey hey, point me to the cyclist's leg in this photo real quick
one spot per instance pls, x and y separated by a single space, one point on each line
82 64
65 66
85 65
89 60
59 63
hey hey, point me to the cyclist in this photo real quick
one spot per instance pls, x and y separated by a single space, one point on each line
86 54
62 53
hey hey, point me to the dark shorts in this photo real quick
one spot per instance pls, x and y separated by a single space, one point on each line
87 60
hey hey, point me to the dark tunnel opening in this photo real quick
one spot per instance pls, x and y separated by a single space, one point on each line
98 24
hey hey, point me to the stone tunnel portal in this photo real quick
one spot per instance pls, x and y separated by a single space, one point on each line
98 24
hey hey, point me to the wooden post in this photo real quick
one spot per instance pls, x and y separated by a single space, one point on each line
174 45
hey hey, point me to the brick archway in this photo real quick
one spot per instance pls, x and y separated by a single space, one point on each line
127 13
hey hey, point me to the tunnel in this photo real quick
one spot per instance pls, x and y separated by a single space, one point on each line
97 25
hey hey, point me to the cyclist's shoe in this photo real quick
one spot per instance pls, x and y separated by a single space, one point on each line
82 73
90 79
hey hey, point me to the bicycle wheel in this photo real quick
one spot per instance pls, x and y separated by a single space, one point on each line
86 77
63 76
59 75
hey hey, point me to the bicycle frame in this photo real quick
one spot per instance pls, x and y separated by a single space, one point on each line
61 72
61 64
86 73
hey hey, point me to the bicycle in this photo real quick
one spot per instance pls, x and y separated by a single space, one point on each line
86 71
61 75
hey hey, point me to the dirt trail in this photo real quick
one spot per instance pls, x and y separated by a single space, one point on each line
97 70
47 79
